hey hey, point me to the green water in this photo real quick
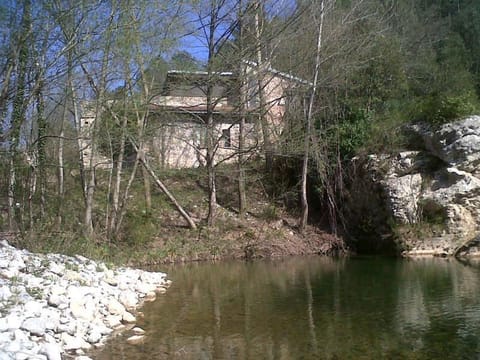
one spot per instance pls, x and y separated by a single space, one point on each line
313 308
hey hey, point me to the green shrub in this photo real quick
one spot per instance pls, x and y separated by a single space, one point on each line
439 109
352 132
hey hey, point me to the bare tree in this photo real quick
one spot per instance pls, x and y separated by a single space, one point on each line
308 118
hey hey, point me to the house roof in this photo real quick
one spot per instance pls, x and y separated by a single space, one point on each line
231 73
280 73
205 73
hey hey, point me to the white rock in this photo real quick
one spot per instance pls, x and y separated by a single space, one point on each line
3 324
153 278
94 337
74 342
29 355
36 326
457 143
57 300
145 287
69 328
57 290
34 282
82 259
161 290
138 331
5 293
52 319
5 356
150 296
128 299
115 308
102 329
136 339
14 347
6 337
14 321
78 310
113 320
83 326
20 335
109 276
52 351
70 275
65 312
33 308
56 268
9 273
128 317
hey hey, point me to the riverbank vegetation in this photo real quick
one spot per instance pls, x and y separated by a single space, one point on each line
372 67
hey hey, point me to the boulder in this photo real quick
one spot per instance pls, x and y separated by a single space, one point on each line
129 299
52 351
35 326
136 339
115 308
128 317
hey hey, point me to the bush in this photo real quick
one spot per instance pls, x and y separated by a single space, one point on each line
439 109
352 132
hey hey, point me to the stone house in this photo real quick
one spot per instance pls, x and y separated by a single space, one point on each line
177 117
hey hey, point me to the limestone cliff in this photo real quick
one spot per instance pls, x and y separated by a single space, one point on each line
438 186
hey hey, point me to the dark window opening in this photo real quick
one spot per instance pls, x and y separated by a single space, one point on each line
227 141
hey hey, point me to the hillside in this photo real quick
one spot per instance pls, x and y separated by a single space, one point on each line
161 235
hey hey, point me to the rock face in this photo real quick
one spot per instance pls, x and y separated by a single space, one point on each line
457 144
54 304
438 186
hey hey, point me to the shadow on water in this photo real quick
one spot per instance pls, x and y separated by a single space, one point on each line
313 308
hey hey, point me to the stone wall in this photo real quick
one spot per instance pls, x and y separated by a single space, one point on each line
179 145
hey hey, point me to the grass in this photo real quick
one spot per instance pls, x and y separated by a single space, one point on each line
159 234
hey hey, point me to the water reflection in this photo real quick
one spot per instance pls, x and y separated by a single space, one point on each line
313 308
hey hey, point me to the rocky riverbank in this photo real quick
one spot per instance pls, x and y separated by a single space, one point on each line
426 199
55 306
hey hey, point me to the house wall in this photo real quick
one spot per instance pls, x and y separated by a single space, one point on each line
182 145
90 159
275 88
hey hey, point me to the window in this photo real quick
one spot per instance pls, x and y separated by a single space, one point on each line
252 94
226 137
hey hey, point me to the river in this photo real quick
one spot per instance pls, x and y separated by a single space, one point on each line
312 308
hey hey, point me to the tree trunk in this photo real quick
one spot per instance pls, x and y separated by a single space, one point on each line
11 194
42 129
118 178
242 195
18 112
147 191
100 90
164 189
141 159
61 167
308 125
263 111
212 187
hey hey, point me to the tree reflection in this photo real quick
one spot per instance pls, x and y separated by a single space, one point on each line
313 308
